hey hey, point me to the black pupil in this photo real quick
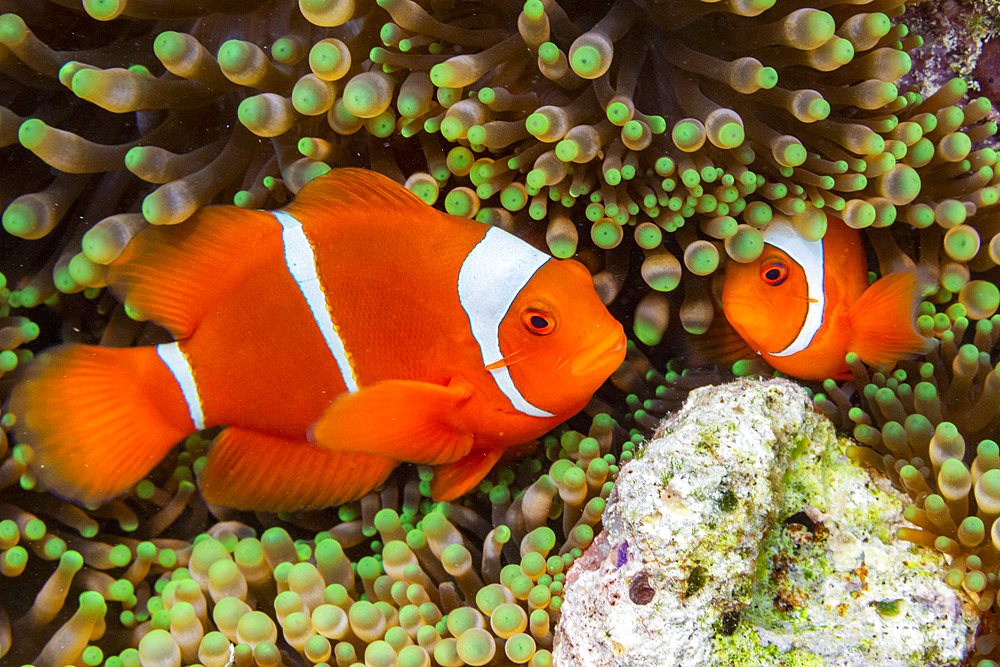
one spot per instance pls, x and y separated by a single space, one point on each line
773 274
538 322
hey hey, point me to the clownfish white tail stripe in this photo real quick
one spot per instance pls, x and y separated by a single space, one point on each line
491 277
808 255
177 363
301 261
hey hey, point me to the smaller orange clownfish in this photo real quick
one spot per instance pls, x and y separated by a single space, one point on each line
354 329
803 305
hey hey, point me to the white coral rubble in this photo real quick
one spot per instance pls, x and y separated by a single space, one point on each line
742 535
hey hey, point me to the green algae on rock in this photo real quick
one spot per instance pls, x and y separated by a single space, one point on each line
805 569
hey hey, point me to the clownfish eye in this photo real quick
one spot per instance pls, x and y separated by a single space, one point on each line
538 323
773 273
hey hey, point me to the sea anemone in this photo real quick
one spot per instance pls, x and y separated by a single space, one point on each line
653 141
367 580
515 114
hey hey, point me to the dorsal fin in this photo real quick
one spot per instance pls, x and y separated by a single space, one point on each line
172 274
360 190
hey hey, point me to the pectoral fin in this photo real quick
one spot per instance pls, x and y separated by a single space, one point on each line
721 343
883 319
404 420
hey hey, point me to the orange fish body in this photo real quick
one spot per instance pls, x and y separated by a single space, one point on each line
353 330
803 305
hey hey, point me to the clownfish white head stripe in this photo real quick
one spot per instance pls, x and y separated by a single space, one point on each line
491 277
301 261
808 255
177 363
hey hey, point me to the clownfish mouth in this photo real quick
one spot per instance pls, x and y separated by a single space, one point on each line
598 358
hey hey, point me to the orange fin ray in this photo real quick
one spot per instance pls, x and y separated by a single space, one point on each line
882 320
257 471
404 419
95 424
172 274
454 479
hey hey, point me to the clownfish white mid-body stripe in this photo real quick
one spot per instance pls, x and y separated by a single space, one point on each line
177 363
808 255
301 261
491 277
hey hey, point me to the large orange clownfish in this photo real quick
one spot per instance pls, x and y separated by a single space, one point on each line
803 305
354 329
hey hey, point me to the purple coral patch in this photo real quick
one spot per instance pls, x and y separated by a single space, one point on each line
621 554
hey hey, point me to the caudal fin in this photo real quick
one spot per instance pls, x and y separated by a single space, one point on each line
883 319
97 418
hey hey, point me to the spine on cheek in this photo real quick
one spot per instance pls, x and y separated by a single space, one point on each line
97 419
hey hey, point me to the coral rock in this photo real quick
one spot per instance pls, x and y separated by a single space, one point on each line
742 534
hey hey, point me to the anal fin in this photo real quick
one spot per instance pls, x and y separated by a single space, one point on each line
256 471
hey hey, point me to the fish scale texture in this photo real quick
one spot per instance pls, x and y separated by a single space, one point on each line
726 544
